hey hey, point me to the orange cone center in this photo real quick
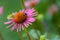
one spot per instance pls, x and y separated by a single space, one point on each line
20 17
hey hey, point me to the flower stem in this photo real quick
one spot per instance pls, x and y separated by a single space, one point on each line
1 38
27 34
25 28
20 35
23 4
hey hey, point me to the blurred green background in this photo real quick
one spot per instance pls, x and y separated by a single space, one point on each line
45 23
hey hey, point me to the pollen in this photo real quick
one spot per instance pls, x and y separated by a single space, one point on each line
20 17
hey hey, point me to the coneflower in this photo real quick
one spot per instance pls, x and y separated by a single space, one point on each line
21 19
31 3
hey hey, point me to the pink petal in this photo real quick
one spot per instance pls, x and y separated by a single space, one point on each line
33 14
29 23
10 25
31 19
30 10
19 27
36 1
14 27
26 24
27 4
22 10
8 22
1 10
22 27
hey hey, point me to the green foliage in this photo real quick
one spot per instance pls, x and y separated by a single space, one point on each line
53 22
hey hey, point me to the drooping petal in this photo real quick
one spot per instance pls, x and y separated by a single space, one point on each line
29 23
19 27
31 19
22 27
14 27
25 24
8 22
34 14
10 25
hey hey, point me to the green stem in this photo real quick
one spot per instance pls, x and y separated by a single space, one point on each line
1 38
23 4
20 35
26 31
